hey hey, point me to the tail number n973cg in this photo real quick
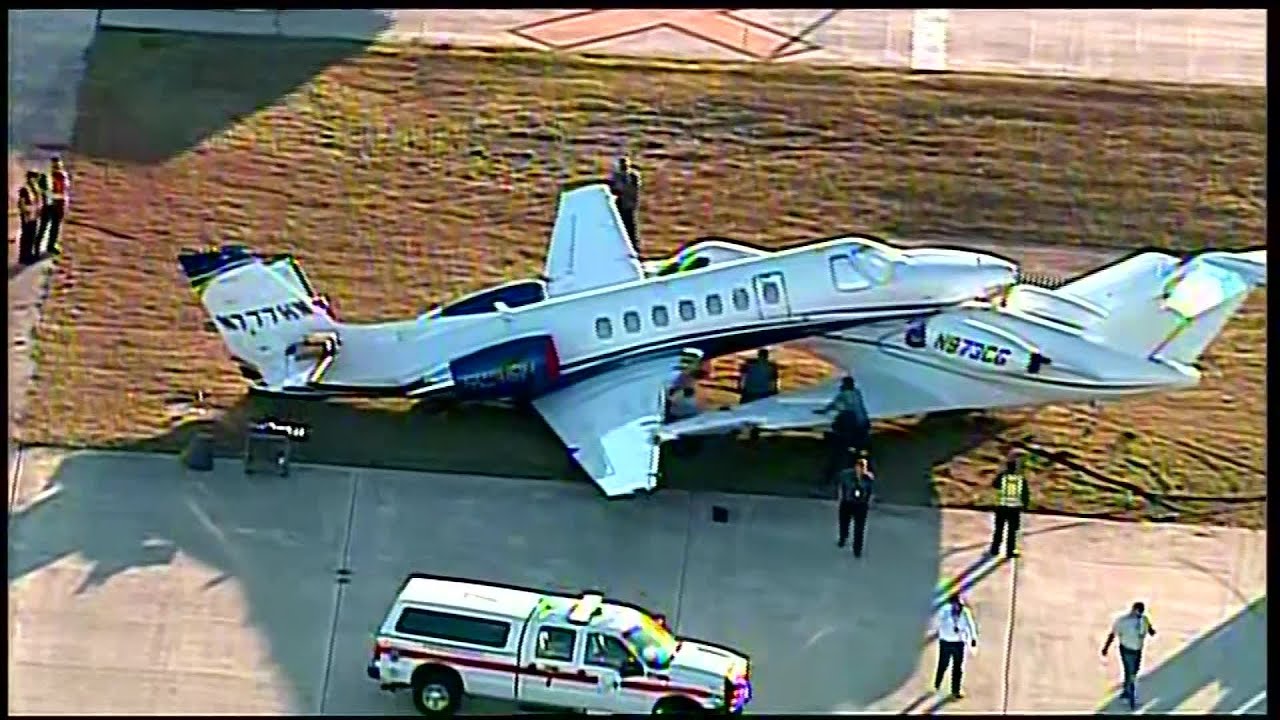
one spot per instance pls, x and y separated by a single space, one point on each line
971 349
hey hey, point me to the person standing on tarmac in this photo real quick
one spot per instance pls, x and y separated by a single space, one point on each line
757 379
851 427
42 188
1014 498
29 215
56 207
855 486
956 628
624 182
1132 630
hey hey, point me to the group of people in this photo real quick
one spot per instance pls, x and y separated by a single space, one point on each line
42 205
848 464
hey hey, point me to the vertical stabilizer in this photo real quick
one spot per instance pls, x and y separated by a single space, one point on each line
262 306
1166 308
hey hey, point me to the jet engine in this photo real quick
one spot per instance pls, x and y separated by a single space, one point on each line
521 368
975 344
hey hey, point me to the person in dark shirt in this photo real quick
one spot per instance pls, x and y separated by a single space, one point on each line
758 377
851 427
854 486
624 182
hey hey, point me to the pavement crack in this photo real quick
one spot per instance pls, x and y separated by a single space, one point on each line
343 573
684 566
1008 639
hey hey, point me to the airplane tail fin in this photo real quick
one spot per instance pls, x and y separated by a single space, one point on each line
1167 308
266 312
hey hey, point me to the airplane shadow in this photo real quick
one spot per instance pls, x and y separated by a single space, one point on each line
115 519
1231 656
149 96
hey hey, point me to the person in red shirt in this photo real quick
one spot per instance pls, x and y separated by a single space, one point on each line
55 208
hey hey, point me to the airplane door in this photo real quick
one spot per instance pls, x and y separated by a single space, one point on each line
771 295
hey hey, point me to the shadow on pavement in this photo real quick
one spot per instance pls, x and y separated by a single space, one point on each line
1231 656
148 96
248 528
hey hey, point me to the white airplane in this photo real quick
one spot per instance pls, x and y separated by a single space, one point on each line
594 345
1136 326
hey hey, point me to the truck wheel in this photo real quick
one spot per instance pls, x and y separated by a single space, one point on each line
677 706
437 692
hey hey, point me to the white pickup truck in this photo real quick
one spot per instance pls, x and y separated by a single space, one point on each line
447 638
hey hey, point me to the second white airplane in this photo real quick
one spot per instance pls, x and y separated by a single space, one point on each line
594 345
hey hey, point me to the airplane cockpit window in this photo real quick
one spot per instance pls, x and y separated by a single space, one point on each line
741 299
875 264
604 328
660 316
631 321
845 275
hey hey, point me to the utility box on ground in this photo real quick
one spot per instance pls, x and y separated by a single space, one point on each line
198 454
268 446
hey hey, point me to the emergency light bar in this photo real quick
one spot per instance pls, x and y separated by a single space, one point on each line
587 606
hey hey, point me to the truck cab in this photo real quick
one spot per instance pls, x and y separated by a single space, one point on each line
446 638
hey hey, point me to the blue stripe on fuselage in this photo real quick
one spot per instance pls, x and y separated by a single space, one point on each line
715 343
712 343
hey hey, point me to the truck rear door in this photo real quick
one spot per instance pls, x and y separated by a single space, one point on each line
551 670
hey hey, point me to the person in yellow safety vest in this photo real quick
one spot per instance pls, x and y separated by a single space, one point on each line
1014 496
56 207
38 196
29 215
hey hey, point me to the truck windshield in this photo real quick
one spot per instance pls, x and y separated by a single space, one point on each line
651 642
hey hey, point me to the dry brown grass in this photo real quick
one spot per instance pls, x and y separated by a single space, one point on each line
403 177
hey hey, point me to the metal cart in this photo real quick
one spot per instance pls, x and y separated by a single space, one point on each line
268 445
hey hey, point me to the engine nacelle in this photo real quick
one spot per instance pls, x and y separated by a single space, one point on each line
975 344
520 368
1055 306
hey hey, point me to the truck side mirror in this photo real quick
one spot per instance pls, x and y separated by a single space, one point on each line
631 668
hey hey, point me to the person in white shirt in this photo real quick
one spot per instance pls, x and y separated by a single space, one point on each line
955 627
1132 629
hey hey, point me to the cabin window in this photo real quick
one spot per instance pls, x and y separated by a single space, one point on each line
455 628
741 299
660 316
714 306
687 310
556 643
604 328
631 321
845 276
772 295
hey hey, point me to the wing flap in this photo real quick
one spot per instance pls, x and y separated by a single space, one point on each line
608 423
589 248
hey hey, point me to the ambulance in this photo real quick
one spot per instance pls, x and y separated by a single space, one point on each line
447 638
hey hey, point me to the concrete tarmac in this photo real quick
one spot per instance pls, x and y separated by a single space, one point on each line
137 586
1179 45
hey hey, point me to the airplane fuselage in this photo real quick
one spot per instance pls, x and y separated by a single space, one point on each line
482 347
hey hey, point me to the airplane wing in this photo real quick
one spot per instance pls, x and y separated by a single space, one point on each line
797 409
786 411
608 421
589 248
